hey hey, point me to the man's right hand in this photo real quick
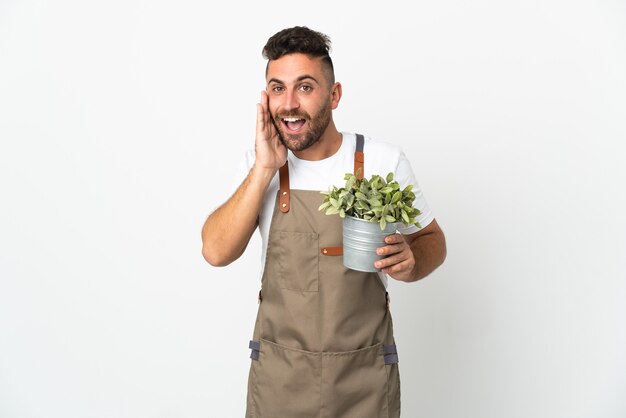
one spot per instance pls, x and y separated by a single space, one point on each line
227 231
271 153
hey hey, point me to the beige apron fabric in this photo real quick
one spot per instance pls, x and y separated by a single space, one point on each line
320 328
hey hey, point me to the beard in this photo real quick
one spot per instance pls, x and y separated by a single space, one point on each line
316 126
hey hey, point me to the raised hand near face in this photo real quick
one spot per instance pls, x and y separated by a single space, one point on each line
270 151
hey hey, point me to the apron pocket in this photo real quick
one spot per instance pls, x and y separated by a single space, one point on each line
298 261
354 383
287 382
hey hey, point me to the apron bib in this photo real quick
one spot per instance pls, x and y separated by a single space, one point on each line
323 342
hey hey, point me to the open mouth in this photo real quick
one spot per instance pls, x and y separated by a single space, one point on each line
293 124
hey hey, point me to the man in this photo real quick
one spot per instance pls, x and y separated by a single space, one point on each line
323 342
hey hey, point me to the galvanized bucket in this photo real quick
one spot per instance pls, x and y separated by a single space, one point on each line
361 238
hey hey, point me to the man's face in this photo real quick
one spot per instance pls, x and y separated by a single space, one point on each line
300 99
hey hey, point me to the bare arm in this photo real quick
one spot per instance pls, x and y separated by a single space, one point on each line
227 231
413 257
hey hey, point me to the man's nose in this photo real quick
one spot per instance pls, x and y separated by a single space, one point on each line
291 100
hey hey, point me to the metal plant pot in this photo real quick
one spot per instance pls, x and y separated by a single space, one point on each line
361 238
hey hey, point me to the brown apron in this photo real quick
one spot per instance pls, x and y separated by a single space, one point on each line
323 342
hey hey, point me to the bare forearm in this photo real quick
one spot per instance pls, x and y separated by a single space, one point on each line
227 231
429 251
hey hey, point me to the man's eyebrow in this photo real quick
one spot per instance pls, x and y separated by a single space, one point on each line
301 78
307 77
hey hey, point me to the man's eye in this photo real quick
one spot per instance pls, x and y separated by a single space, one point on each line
306 88
277 89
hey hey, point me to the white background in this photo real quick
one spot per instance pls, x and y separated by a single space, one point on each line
120 126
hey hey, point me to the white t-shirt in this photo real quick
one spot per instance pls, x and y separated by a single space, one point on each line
380 158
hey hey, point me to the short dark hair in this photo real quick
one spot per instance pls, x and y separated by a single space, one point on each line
300 39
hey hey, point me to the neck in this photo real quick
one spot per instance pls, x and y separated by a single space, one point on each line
328 144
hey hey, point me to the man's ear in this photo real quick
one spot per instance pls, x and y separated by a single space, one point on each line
335 96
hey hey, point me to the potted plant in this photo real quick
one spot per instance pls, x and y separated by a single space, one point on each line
371 209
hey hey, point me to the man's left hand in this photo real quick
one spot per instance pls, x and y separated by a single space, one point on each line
399 260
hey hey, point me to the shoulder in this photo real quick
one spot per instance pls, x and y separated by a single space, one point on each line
381 155
373 145
383 148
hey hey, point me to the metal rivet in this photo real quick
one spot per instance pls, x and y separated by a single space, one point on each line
325 251
284 205
284 193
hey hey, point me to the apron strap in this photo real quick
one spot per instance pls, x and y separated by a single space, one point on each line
390 354
283 174
255 346
332 251
359 157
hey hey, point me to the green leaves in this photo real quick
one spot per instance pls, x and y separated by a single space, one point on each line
376 200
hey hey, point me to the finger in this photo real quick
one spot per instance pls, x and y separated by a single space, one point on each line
391 249
394 238
397 263
403 267
264 99
260 118
391 260
263 103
